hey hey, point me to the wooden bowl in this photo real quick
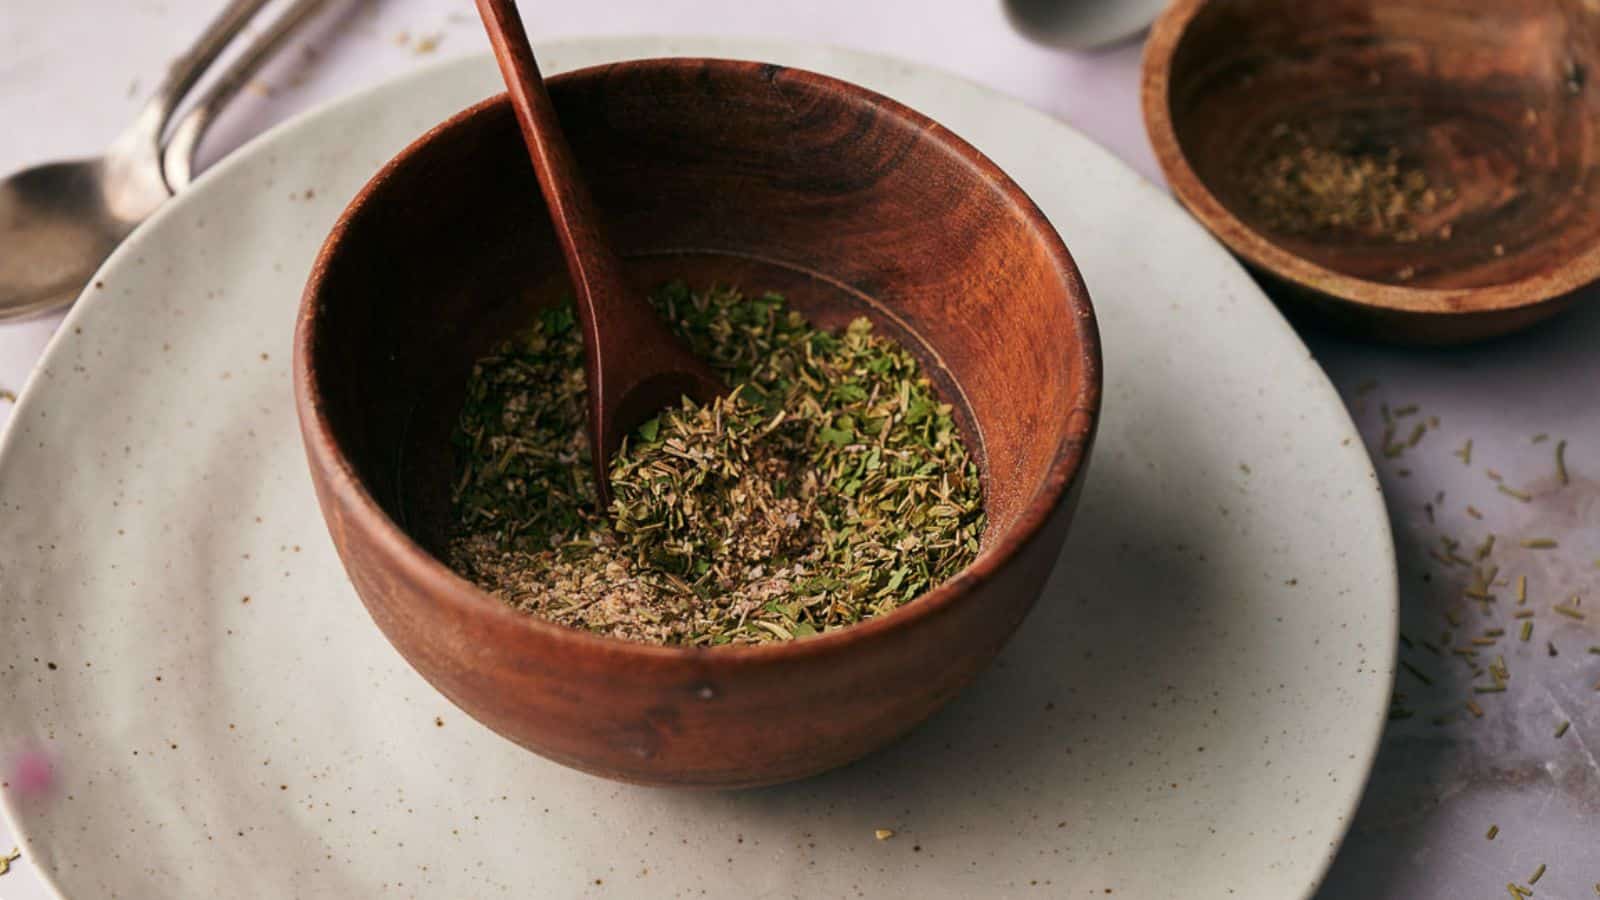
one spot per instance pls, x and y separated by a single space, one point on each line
1491 103
707 170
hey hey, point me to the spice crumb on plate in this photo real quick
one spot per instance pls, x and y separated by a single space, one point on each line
883 834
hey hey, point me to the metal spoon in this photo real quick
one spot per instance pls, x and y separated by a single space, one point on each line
59 221
634 363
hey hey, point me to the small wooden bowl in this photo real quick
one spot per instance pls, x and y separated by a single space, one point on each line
756 175
1493 101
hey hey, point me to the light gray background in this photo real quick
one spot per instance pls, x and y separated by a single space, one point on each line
72 72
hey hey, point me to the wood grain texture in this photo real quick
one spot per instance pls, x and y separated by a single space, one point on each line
710 171
1492 99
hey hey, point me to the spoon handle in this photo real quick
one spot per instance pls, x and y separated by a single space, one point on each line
177 160
145 134
595 270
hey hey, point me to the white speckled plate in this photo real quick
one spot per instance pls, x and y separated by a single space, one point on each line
1191 712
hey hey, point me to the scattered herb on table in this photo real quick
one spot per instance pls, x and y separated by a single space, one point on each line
831 485
8 859
1513 493
7 396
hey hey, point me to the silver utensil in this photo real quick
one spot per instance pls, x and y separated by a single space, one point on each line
178 157
59 221
1081 24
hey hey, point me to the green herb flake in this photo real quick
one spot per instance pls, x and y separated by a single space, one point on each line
1561 730
1540 543
1494 830
1537 874
1512 492
1561 463
8 859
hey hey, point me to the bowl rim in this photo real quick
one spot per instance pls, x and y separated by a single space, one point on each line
1166 35
418 566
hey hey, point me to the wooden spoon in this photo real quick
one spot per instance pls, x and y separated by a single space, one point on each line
634 364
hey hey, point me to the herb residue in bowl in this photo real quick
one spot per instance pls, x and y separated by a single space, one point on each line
1305 187
831 484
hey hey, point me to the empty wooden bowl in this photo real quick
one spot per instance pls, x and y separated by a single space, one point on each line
1467 131
710 171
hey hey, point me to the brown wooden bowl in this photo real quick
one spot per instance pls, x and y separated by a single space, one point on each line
707 170
1494 101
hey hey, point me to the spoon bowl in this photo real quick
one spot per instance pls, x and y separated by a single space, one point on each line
709 171
59 221
633 363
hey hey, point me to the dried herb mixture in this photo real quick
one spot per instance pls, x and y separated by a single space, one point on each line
830 485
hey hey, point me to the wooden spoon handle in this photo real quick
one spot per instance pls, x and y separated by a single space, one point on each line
594 269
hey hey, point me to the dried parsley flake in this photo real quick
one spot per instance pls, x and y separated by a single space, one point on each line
829 486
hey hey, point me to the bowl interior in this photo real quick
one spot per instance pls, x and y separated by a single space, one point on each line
710 172
1489 102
